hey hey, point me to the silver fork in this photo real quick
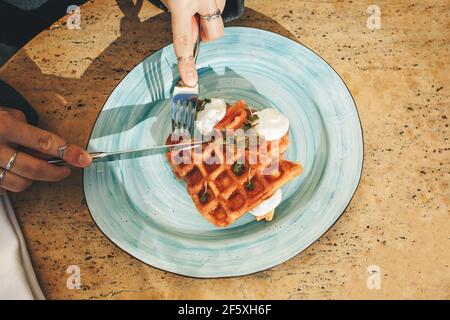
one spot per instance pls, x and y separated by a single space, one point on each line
185 99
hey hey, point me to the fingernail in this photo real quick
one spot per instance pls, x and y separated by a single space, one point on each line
190 78
84 160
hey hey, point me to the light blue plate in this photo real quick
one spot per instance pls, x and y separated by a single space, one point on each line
140 205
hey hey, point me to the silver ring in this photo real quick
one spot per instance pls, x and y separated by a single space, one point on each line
2 175
11 162
62 149
184 60
216 14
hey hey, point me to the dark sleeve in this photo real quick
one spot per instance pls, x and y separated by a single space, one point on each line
233 9
10 98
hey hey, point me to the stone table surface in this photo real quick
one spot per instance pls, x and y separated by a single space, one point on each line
398 219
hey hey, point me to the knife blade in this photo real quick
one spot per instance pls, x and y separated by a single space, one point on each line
127 154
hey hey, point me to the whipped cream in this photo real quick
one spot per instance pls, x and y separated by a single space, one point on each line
212 113
271 124
267 205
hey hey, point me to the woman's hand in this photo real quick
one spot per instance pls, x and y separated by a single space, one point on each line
15 133
185 31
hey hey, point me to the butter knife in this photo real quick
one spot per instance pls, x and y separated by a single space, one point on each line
133 153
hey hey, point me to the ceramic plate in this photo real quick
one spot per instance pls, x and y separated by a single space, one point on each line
146 211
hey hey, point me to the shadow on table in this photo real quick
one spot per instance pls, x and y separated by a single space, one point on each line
107 70
80 99
137 40
135 114
132 115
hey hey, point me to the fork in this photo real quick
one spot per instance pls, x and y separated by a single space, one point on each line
185 99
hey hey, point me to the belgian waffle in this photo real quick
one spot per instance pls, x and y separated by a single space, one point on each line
221 193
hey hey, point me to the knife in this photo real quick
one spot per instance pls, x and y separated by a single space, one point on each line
133 153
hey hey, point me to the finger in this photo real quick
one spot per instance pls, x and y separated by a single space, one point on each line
211 29
15 113
221 4
34 153
43 141
30 167
14 183
183 42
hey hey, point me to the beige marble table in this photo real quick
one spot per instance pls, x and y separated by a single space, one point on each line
398 220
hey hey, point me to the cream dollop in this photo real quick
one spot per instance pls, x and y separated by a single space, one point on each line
267 205
271 124
212 113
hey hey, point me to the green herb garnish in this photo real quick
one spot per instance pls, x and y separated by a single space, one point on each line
238 168
250 185
253 117
248 124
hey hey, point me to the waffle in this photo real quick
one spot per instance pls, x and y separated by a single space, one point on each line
221 193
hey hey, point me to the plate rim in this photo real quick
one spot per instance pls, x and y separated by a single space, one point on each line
264 268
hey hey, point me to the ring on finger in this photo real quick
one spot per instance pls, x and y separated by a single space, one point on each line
11 162
184 60
2 175
211 16
62 149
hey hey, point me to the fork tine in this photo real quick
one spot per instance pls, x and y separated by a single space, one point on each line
174 114
188 116
184 109
179 113
184 98
183 112
192 114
